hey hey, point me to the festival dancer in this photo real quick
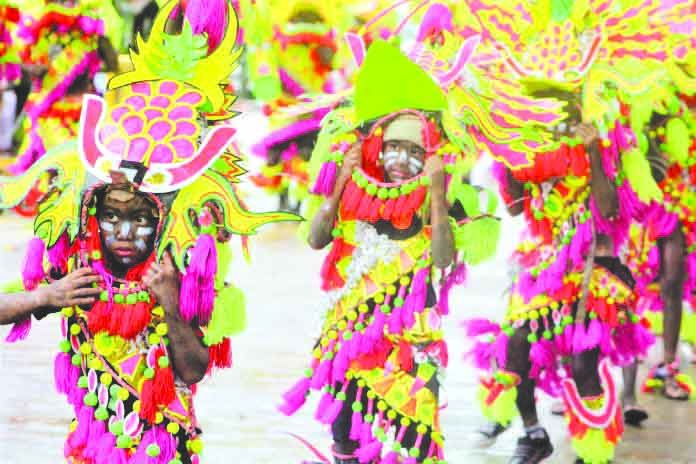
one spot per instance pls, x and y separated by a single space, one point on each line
571 305
292 48
10 75
65 47
132 244
394 204
662 252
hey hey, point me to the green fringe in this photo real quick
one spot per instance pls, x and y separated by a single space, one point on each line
229 315
677 141
637 170
477 240
503 410
16 286
593 448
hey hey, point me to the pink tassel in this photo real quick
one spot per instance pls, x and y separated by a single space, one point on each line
321 375
209 17
326 179
481 355
376 330
391 458
356 425
65 374
297 395
476 327
96 433
58 254
85 418
369 452
456 277
415 301
542 356
20 330
105 450
323 406
332 412
579 337
117 456
33 271
161 438
394 322
340 365
593 337
366 433
197 293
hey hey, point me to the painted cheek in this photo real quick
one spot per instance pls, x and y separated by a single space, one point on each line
140 245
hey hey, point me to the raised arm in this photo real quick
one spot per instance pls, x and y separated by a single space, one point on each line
443 240
323 223
603 189
75 289
188 355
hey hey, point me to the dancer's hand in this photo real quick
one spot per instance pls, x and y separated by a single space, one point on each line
351 161
162 279
75 289
587 132
434 168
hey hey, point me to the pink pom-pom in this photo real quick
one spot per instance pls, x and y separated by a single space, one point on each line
369 452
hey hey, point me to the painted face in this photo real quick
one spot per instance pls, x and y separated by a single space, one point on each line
127 225
402 160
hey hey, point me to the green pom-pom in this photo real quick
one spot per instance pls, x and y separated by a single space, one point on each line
357 406
116 428
341 396
309 372
347 335
92 211
175 461
82 381
547 334
104 296
396 447
132 299
64 346
124 441
101 414
143 296
149 373
509 331
414 452
119 298
76 359
532 338
360 326
371 189
163 362
558 330
425 180
393 193
91 399
567 320
385 308
398 302
382 193
114 389
153 450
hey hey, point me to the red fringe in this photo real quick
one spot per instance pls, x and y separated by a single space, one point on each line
220 355
157 392
124 321
331 279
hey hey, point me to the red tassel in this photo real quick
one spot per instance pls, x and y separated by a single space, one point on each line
371 148
220 355
363 210
375 208
388 210
157 392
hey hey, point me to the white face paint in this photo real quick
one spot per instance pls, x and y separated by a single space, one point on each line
392 157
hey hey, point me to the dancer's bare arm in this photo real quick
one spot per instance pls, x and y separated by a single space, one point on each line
75 289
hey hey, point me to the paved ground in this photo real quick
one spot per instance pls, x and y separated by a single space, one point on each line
237 407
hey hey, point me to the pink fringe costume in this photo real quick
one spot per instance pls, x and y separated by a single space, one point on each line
564 301
10 64
114 364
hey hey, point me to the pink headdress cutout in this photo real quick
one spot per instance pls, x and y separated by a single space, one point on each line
152 136
437 19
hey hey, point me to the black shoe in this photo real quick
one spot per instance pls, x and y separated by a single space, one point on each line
488 433
532 450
